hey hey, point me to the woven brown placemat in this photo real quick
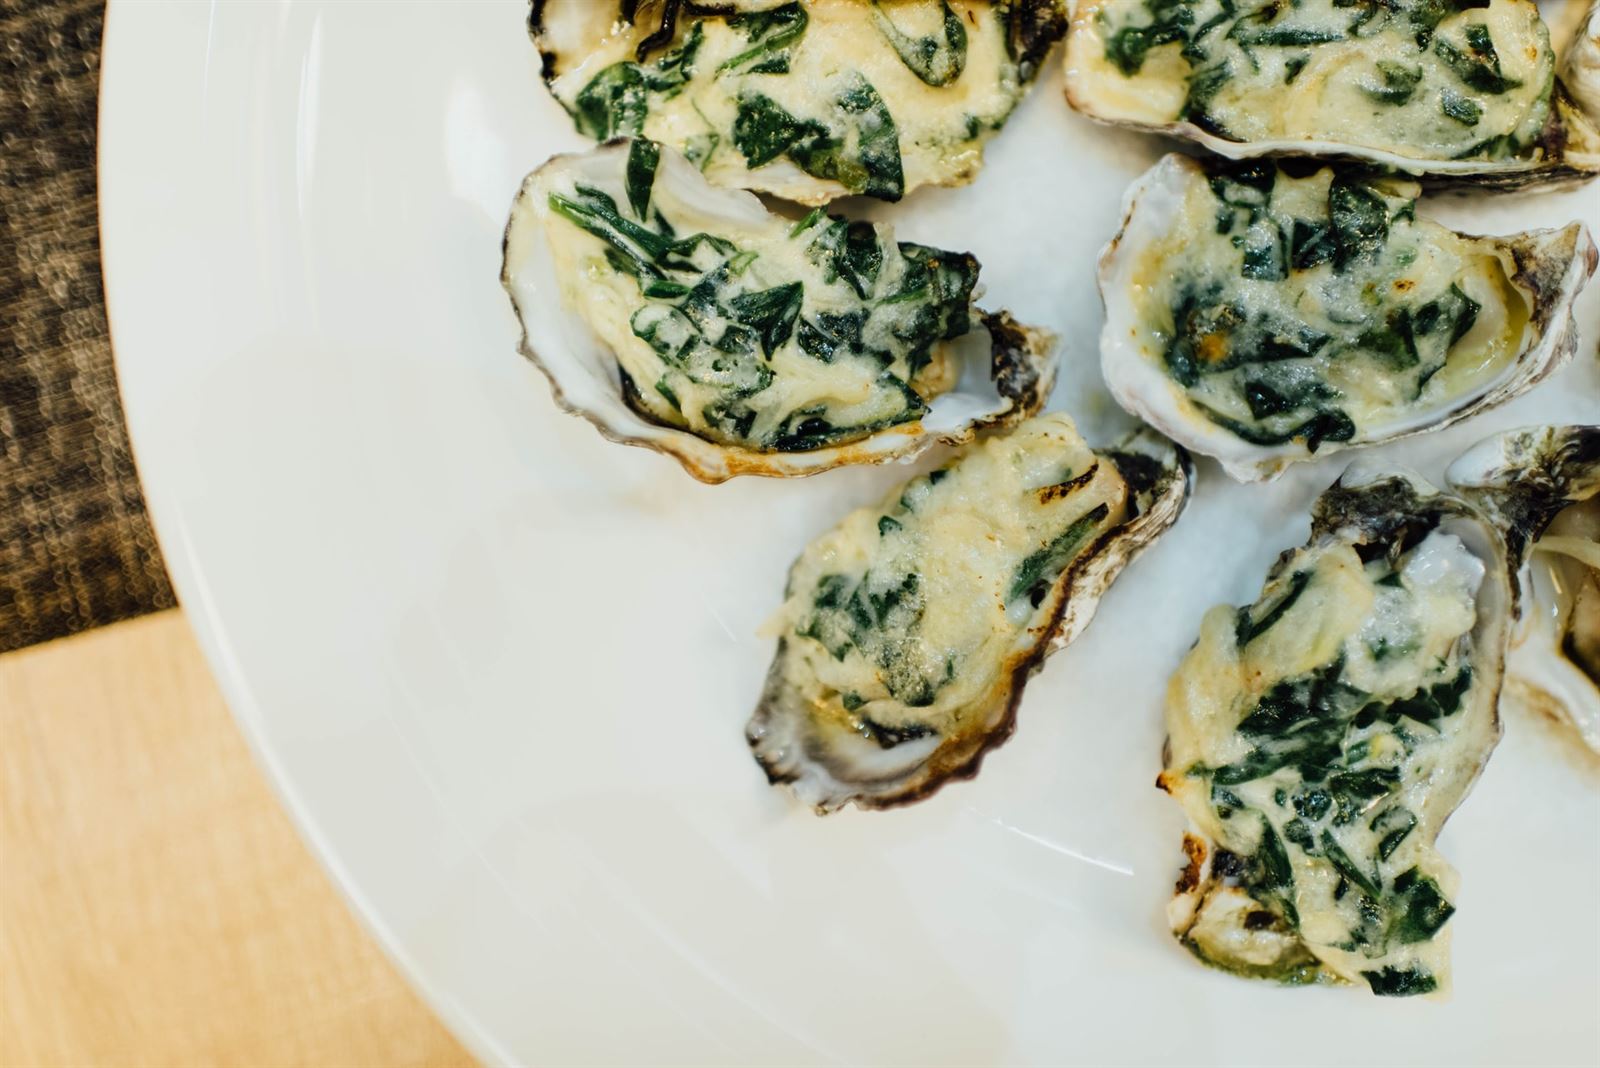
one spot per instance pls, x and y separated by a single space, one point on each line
76 550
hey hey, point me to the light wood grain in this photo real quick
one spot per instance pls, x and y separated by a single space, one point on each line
156 906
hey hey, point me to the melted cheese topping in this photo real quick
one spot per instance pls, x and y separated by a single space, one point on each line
1319 739
756 331
1415 78
1321 308
939 129
907 619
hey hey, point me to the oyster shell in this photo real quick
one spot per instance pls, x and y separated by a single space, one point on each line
909 630
1542 486
1261 317
1319 739
809 101
1458 94
1580 64
765 346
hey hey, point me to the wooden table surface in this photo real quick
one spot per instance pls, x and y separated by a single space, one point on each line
156 905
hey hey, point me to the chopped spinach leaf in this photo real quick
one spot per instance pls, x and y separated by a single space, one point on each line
1268 396
849 250
1287 37
864 157
613 104
829 333
666 391
878 616
1452 310
770 312
1421 908
1401 982
764 129
1330 424
1459 108
1266 253
616 101
1247 630
643 159
1204 85
1128 46
1478 66
809 428
1359 221
1395 824
1345 866
1310 244
1428 705
1356 792
1393 343
1042 566
937 60
1395 83
768 32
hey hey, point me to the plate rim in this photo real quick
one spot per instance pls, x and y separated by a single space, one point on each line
115 195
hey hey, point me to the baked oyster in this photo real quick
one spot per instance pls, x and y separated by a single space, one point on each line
909 630
1319 738
1262 312
1542 486
738 341
1455 90
809 101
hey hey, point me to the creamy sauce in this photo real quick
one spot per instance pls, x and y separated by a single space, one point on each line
1321 307
938 130
1473 84
905 620
1318 740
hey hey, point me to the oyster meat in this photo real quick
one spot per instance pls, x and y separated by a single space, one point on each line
1319 738
1542 486
909 630
1261 313
809 101
738 341
1459 92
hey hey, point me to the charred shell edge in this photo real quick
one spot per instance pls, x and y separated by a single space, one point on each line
1032 29
1524 478
1022 366
1160 476
1549 267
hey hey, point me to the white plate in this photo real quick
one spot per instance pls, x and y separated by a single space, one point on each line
500 667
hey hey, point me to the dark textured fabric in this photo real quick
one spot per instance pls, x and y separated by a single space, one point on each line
76 549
